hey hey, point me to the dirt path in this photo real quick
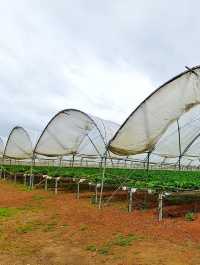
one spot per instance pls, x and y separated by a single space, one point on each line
39 228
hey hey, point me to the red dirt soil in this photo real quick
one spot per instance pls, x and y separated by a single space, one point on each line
48 229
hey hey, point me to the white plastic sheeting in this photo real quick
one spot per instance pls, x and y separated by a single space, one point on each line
74 132
167 123
18 145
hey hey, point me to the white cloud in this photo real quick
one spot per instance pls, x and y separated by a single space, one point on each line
103 57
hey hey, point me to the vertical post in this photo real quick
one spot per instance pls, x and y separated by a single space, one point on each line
60 162
148 156
179 144
73 160
32 181
102 181
130 200
78 190
46 184
160 206
24 179
56 185
96 193
15 177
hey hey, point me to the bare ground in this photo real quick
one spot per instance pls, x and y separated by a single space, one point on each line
39 228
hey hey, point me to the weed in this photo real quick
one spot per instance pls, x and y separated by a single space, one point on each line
104 250
83 227
29 227
124 241
49 226
91 248
7 212
190 216
38 197
24 229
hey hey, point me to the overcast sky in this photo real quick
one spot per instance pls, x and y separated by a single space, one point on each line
102 57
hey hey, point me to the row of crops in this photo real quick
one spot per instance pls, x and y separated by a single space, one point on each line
136 178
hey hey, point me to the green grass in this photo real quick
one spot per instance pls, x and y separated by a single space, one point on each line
124 240
6 212
36 225
119 240
91 248
38 197
104 250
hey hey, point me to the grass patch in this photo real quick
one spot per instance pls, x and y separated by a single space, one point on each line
25 229
119 240
6 212
49 226
105 250
91 248
124 241
38 197
36 225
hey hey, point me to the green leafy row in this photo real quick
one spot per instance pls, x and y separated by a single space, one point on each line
138 178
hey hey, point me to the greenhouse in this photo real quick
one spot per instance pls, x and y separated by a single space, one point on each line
73 132
152 151
166 124
18 145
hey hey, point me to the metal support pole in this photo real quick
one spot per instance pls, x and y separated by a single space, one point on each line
15 178
60 162
102 181
30 181
56 186
130 200
73 160
46 184
179 144
160 206
148 156
24 179
78 190
96 193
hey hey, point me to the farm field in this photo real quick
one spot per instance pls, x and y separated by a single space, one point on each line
167 180
38 227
